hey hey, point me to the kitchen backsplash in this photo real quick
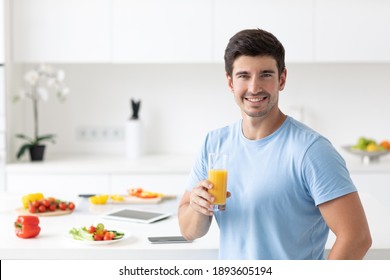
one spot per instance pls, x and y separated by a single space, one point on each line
181 102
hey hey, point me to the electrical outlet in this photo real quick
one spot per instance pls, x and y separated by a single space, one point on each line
100 133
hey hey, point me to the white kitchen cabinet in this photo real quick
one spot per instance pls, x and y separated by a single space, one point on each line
2 32
171 184
290 21
61 31
352 31
374 189
374 192
162 31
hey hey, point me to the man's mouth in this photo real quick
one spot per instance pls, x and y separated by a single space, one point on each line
256 99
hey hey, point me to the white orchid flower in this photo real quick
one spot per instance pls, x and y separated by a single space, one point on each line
31 77
60 75
50 82
42 93
63 93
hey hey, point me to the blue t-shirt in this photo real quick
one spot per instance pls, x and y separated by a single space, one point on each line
276 184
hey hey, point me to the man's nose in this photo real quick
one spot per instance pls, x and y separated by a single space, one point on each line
255 85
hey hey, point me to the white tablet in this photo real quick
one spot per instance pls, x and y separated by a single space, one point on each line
139 216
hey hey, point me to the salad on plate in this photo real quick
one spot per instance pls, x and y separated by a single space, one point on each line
96 234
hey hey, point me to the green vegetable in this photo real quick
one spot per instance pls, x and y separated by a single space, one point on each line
118 235
81 234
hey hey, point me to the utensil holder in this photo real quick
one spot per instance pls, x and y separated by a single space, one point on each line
134 147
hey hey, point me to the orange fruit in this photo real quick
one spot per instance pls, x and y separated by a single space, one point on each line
385 144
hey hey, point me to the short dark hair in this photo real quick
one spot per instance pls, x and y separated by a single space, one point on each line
254 42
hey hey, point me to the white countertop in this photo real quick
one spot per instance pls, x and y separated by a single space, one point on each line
151 164
53 244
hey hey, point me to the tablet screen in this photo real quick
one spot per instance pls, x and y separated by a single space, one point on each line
133 215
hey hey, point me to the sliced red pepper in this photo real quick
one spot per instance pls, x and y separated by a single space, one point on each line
147 195
27 226
135 192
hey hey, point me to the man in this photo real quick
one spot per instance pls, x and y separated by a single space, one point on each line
287 184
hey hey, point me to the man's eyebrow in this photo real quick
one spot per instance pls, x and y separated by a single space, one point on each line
243 72
267 71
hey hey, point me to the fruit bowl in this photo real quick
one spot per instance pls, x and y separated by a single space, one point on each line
367 157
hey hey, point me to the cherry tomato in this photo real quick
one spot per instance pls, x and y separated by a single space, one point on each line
46 203
62 206
36 203
32 209
42 208
71 205
91 229
98 237
107 237
52 207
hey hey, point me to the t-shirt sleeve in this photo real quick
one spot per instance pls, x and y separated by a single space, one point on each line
325 172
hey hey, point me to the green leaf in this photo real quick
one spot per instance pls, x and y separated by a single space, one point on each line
47 137
22 150
24 137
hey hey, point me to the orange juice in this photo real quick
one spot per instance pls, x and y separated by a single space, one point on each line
219 179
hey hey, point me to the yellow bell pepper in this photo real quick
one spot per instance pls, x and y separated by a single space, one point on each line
30 198
99 199
117 197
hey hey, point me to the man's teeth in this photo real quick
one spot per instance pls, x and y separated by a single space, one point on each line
256 99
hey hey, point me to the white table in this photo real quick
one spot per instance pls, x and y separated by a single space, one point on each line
53 244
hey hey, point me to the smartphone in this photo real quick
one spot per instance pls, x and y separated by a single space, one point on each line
168 239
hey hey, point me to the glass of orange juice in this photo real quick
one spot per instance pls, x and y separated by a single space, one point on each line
217 175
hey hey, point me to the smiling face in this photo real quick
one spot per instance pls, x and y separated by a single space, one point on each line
255 83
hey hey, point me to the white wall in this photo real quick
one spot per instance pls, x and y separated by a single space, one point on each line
181 102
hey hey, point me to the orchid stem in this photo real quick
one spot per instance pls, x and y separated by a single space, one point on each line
35 111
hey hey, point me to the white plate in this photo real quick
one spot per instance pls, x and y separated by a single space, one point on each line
102 242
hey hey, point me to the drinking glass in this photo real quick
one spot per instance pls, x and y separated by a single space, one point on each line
217 175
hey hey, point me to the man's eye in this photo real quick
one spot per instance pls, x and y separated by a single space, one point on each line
266 75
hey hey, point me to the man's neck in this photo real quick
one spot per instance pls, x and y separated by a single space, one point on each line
258 128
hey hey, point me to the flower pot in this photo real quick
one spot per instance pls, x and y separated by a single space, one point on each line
37 152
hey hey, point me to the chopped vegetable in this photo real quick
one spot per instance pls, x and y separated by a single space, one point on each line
27 226
81 234
139 192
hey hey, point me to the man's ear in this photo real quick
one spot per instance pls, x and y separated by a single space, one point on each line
230 82
282 80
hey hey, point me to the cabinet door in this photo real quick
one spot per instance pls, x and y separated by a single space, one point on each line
162 31
374 191
2 38
61 31
171 184
290 21
352 31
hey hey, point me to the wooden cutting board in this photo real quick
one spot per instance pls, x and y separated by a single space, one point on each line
57 212
136 200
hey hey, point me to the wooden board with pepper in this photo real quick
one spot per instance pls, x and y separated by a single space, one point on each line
36 204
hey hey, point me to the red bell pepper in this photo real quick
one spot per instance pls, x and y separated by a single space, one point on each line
27 226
